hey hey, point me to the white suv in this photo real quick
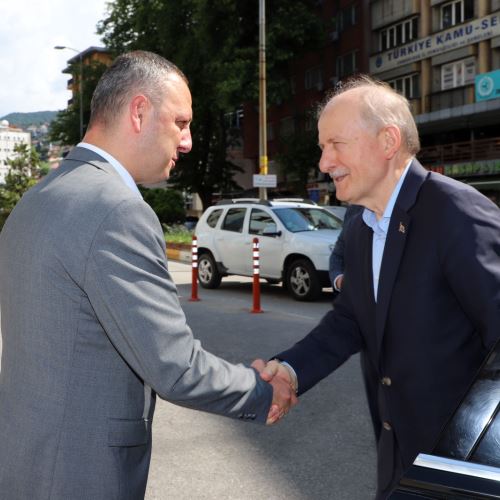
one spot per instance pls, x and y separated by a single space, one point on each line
295 242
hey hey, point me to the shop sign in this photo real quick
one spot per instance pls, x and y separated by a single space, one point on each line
473 168
487 86
459 36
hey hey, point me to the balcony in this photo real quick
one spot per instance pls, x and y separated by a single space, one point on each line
457 152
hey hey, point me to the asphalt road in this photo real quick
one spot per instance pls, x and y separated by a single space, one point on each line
324 449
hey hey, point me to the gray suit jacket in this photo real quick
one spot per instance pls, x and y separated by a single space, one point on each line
92 329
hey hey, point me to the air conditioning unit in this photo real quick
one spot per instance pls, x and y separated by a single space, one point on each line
334 36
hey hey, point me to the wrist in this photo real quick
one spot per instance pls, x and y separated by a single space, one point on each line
292 376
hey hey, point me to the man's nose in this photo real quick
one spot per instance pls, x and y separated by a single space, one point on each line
186 143
326 161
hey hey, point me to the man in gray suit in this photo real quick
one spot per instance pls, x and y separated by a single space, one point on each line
91 323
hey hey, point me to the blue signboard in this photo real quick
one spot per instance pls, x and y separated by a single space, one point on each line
487 86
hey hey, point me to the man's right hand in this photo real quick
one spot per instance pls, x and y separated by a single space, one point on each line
284 388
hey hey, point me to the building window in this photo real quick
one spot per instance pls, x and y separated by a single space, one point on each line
347 64
456 12
399 34
408 85
234 119
347 17
458 73
313 79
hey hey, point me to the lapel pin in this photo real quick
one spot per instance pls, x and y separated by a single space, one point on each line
402 228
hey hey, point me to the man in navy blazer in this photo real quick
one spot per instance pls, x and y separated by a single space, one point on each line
421 296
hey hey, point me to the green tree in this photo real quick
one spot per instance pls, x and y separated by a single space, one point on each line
215 43
23 174
168 204
299 158
65 128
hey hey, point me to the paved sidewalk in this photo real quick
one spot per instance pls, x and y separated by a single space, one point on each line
323 450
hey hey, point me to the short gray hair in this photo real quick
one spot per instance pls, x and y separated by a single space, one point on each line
138 71
380 106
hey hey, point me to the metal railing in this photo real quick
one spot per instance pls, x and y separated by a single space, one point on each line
482 149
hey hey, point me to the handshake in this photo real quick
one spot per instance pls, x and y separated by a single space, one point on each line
284 382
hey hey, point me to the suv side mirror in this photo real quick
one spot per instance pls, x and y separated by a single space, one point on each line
271 230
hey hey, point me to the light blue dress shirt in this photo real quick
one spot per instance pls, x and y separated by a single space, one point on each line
380 228
122 171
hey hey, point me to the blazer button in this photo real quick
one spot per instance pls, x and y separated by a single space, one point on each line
387 426
386 381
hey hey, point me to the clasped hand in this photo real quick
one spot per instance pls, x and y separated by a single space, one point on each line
284 390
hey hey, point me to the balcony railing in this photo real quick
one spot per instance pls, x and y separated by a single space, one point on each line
482 149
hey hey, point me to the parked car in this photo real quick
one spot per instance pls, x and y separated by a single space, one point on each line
295 242
337 210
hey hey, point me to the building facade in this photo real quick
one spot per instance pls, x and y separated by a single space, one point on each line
9 138
86 57
444 56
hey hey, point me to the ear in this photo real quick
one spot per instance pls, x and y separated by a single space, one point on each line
391 137
137 111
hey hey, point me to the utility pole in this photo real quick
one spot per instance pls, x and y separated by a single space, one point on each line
262 97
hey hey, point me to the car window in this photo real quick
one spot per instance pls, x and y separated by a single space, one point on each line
234 220
259 220
297 219
214 217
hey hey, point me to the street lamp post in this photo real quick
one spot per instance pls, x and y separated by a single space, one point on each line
262 97
80 83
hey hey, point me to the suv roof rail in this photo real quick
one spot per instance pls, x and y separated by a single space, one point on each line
298 200
243 200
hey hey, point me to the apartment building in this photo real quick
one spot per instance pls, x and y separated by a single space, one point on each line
86 57
444 56
343 52
9 138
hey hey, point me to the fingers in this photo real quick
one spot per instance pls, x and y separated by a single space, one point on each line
259 365
274 414
270 371
284 398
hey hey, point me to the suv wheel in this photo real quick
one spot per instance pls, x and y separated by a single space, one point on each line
302 280
208 274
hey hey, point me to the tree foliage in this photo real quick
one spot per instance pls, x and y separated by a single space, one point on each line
300 154
215 43
23 174
168 204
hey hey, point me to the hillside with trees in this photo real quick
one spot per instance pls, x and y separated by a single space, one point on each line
24 120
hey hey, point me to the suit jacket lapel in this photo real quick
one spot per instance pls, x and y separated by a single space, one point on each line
399 229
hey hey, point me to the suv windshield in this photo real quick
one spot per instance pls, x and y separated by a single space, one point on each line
306 219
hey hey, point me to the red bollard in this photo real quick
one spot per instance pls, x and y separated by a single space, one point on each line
256 278
194 265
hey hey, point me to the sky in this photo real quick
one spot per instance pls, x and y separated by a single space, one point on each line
30 75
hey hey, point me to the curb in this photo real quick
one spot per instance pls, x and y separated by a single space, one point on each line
179 254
